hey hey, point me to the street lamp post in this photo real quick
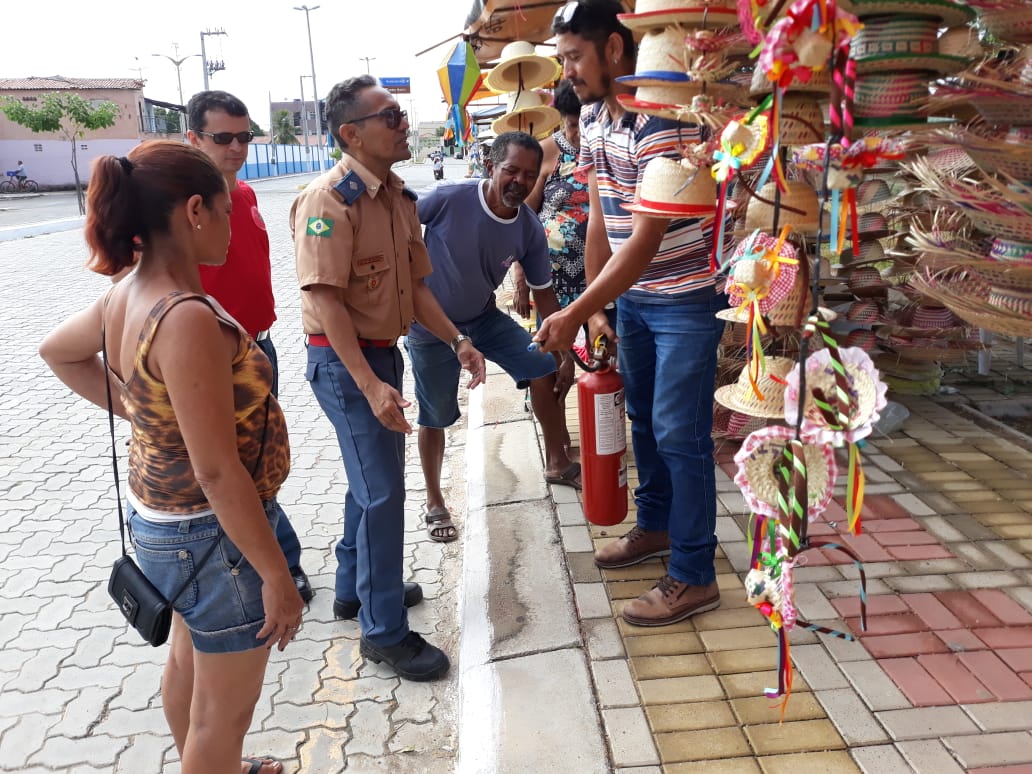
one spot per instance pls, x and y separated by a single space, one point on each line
315 89
367 60
178 64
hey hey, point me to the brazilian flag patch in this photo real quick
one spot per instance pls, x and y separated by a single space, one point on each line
319 227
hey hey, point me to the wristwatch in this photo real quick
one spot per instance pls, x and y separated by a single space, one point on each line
458 340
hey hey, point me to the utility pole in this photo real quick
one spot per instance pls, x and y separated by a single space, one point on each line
367 60
304 123
210 68
315 89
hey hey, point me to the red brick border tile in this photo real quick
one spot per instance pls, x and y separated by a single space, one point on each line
954 677
917 685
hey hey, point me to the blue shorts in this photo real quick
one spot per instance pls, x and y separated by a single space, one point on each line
436 369
223 606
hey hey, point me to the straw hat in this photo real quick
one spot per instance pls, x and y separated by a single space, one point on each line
519 67
733 424
961 42
890 99
865 389
754 273
950 13
1009 22
862 338
867 282
864 312
802 121
675 189
740 396
528 112
819 83
871 251
760 215
660 13
901 42
757 476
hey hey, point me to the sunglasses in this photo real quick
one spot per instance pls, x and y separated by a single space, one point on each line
566 14
391 116
225 138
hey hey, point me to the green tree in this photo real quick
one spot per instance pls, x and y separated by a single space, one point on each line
283 128
69 115
258 131
167 121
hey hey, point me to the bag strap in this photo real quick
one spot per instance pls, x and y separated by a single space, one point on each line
114 463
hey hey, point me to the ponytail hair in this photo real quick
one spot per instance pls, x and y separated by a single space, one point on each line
131 198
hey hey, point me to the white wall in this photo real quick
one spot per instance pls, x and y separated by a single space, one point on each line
53 165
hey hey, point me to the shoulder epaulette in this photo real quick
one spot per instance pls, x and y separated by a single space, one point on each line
410 193
350 187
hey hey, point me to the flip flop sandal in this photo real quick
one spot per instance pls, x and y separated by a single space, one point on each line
439 525
568 477
257 763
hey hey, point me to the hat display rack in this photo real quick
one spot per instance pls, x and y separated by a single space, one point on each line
519 73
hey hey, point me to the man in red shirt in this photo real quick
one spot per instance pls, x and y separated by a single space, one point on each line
221 128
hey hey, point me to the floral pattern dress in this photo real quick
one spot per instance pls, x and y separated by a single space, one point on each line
564 214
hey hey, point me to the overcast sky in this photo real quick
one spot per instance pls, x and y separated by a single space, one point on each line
265 49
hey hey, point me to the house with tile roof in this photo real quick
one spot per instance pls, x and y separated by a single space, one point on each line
46 154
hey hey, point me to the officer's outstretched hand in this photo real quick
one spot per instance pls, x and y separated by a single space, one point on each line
471 359
387 404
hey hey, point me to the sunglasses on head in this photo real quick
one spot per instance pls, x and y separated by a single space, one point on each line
225 138
391 116
566 14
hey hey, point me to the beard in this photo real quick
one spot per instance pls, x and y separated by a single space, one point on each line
514 196
587 97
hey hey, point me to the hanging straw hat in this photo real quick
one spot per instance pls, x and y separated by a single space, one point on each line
867 282
961 42
519 67
890 100
755 272
757 476
802 120
995 150
819 83
951 14
675 189
901 42
741 397
528 112
1010 22
799 195
865 388
660 13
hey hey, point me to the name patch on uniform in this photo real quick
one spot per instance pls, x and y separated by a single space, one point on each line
319 227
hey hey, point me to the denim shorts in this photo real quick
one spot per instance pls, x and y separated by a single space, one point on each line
222 607
435 369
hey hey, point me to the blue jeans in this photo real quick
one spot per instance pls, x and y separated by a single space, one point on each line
285 533
223 606
668 360
370 553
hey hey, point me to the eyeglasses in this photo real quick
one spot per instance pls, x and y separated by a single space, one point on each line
391 116
225 138
566 14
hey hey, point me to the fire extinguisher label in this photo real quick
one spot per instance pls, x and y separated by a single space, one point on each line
610 423
622 475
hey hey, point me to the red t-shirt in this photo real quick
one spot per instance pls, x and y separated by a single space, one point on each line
243 284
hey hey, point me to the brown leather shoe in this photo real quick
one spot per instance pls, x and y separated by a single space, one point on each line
634 547
671 601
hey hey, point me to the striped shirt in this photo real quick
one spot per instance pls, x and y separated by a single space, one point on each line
618 152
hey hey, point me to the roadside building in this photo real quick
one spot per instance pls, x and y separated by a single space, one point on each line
47 155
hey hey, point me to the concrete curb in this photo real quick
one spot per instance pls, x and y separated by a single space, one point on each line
39 229
525 690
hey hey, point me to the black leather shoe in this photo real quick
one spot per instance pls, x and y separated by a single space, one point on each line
348 608
304 587
413 658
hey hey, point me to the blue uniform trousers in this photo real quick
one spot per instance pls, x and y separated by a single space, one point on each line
370 554
285 533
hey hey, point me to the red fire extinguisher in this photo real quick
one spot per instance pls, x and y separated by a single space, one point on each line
600 399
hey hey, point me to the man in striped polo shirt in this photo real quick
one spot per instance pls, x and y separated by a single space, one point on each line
665 318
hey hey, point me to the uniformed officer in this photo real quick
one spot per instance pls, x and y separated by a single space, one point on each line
361 263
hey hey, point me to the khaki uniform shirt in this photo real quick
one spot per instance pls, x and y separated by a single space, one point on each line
361 236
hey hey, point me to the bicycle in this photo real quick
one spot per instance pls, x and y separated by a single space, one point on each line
13 185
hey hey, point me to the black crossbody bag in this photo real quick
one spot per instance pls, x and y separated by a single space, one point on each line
142 605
